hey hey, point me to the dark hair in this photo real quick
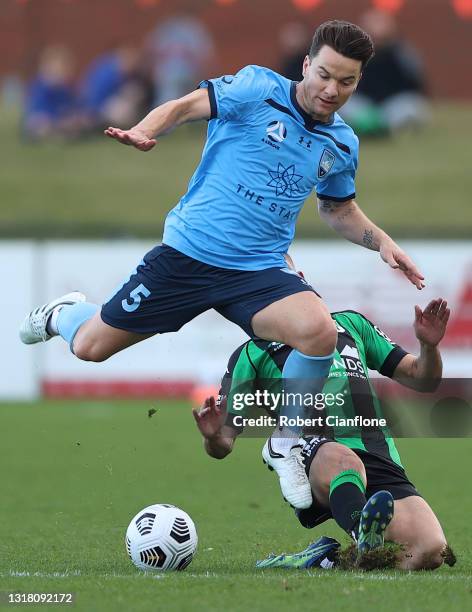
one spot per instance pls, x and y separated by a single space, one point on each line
346 38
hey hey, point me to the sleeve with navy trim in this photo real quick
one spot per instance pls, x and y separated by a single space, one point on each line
382 354
231 96
339 185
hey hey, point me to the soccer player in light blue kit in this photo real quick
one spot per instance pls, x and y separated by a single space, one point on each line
270 143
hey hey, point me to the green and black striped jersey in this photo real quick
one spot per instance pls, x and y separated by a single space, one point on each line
361 346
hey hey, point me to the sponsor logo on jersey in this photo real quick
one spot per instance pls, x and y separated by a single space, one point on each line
350 351
305 142
350 362
258 199
285 181
326 163
276 131
221 83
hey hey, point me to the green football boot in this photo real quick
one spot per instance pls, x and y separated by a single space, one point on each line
375 517
321 553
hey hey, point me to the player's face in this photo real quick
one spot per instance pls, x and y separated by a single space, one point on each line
329 79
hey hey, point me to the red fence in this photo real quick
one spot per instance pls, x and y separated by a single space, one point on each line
245 31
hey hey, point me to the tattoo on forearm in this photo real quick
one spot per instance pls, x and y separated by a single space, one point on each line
343 209
348 210
330 206
369 240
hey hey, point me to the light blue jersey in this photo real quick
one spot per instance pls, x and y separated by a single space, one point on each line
263 157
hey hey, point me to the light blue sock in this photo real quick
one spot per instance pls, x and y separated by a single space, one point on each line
303 375
299 365
71 317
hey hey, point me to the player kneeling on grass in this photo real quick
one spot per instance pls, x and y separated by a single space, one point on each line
356 476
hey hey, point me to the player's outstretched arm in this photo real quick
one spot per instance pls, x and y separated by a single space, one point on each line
218 439
347 219
424 373
164 119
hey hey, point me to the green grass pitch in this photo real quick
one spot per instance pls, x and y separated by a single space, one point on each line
74 473
417 184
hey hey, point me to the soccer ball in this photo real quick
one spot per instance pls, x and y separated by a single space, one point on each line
161 537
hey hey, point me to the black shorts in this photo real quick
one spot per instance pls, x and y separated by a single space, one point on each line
383 474
168 289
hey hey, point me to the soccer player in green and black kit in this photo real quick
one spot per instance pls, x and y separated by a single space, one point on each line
356 476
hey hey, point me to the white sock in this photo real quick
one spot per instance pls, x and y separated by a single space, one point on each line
51 325
283 439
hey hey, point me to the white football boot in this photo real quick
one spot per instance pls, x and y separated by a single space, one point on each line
33 329
294 482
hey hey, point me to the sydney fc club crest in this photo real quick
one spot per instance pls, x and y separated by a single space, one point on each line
326 163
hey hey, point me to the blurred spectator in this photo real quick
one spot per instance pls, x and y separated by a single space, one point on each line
180 49
115 89
51 107
12 91
295 39
391 94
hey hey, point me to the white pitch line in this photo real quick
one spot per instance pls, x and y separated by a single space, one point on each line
76 574
410 576
25 574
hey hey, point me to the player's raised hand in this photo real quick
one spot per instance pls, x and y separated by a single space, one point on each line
430 323
392 254
209 418
134 137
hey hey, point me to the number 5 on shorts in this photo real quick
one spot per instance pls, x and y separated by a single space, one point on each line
136 295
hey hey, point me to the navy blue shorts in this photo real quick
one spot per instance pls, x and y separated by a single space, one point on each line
168 289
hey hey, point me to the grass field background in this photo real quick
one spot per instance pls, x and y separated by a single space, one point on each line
74 473
417 184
